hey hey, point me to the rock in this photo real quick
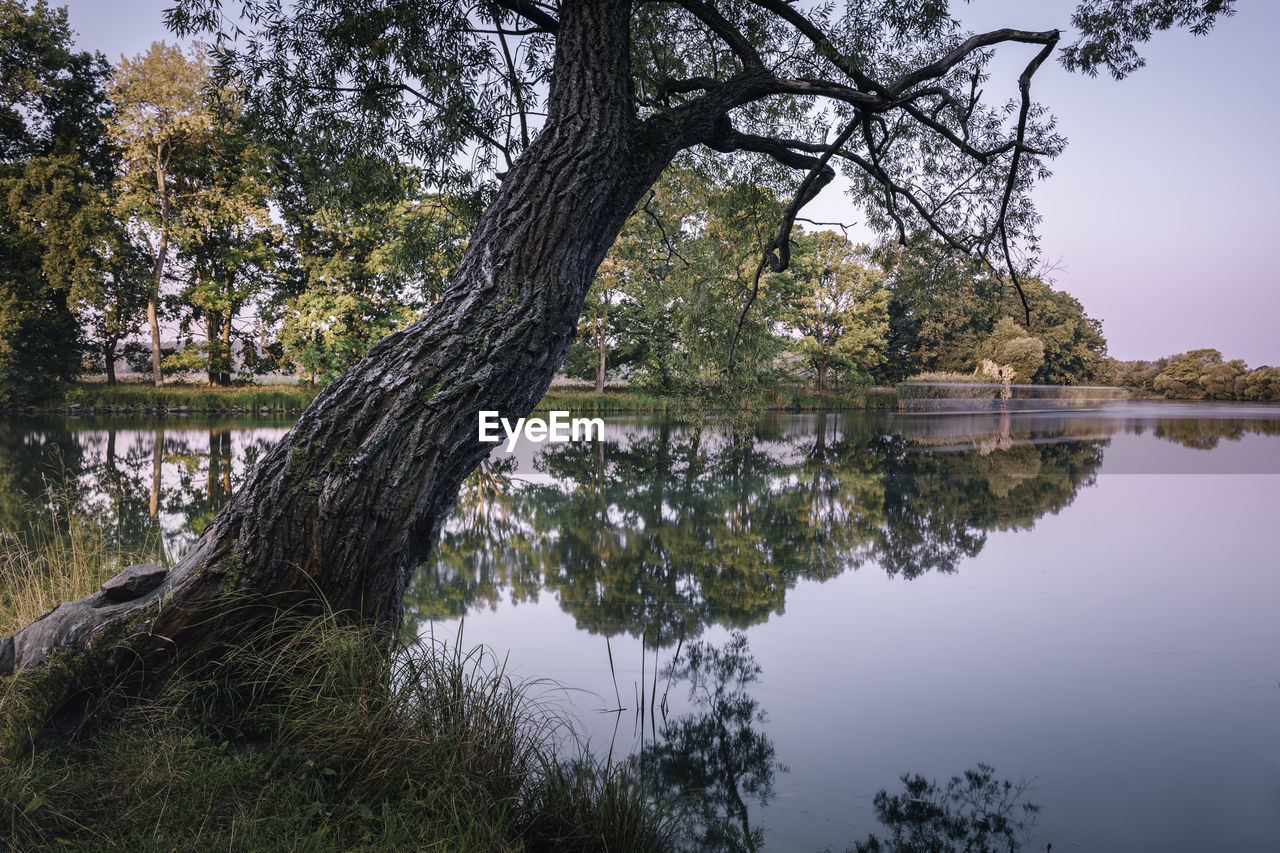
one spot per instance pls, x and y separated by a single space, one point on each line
6 655
134 582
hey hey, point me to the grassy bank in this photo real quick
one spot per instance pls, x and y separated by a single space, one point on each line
632 399
196 398
314 735
96 397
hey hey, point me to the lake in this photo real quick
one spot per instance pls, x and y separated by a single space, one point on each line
788 618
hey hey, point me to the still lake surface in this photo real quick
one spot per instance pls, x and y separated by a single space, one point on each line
793 616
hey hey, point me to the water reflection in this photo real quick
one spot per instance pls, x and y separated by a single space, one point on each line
150 484
973 813
718 762
668 529
663 529
716 759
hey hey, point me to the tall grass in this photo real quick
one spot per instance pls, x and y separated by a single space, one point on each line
64 558
196 397
315 734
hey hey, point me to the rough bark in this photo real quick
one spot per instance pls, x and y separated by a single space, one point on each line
600 344
352 499
162 250
109 360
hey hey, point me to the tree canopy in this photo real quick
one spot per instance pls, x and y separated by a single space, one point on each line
889 91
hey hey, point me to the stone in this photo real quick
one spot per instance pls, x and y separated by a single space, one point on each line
134 582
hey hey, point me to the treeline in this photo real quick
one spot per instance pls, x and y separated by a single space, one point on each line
138 197
668 305
143 217
1200 374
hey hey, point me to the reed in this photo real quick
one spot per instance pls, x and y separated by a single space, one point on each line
319 735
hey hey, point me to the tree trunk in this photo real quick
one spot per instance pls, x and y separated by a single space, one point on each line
153 321
600 339
211 346
161 251
109 360
350 502
224 352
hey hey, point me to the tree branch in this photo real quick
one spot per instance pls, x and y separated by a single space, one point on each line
777 254
533 12
936 69
718 24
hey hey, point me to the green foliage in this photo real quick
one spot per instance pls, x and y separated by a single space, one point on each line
1110 30
841 311
366 249
57 244
1201 374
40 343
941 306
946 313
1009 344
326 329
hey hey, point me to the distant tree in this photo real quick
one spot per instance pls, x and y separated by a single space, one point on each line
228 242
1074 346
1182 376
58 245
1224 381
598 324
1262 384
160 115
366 250
1010 344
942 305
842 307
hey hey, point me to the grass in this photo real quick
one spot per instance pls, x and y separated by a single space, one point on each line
580 400
313 734
635 399
196 397
64 559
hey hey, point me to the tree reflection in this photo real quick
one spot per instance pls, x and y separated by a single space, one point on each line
668 529
715 759
147 486
1206 433
974 813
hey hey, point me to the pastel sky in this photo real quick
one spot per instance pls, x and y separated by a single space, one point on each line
1160 215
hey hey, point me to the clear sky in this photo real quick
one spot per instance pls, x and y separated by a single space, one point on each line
1160 216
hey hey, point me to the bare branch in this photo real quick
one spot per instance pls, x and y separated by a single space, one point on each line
934 70
1024 87
718 24
826 49
534 12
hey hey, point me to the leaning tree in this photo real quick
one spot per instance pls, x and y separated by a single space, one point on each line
563 115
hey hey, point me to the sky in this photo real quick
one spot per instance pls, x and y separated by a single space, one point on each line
1160 216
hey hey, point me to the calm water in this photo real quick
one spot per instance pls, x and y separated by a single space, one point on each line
1087 603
